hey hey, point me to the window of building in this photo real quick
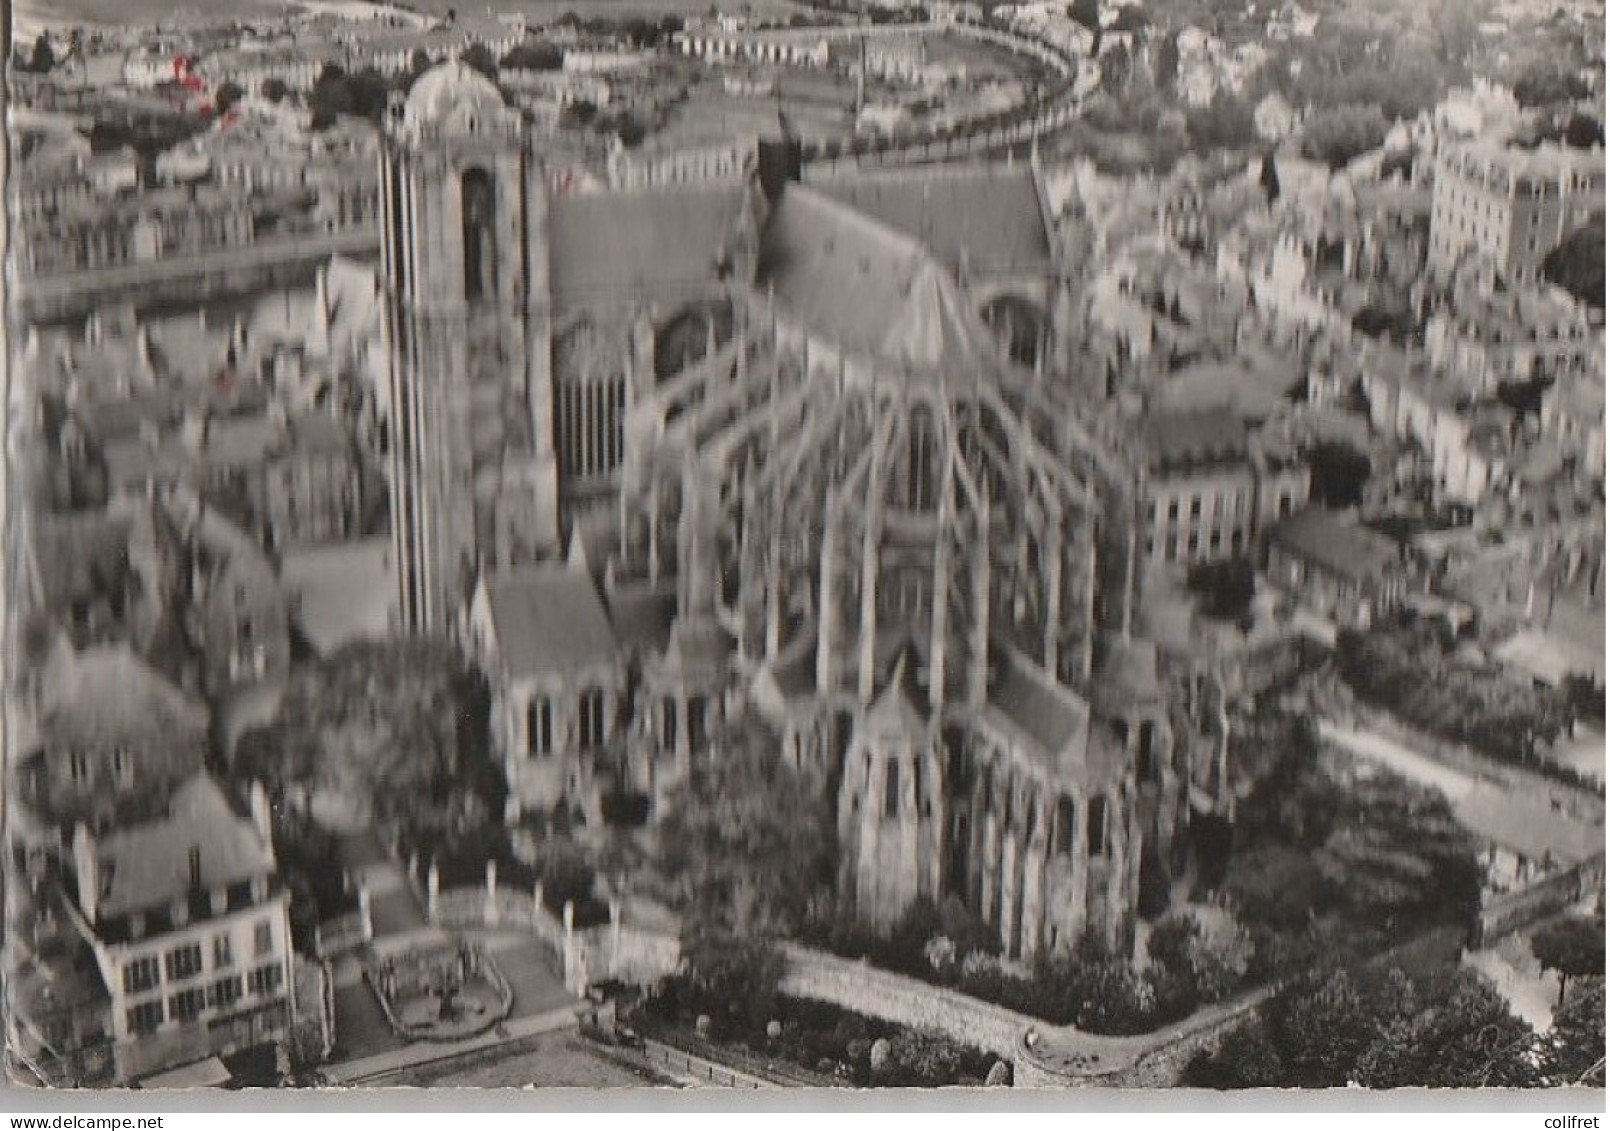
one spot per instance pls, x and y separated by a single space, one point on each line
698 723
891 789
146 1017
223 952
224 993
78 767
1062 827
668 723
123 766
1096 827
1145 760
590 721
1173 510
263 938
539 726
480 243
187 1004
184 962
140 975
1193 545
265 980
1196 507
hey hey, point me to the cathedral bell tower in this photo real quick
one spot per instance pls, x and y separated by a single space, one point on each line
465 265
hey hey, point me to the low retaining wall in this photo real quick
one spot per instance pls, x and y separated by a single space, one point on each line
615 951
1515 911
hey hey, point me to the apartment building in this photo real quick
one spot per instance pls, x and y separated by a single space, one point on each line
1511 206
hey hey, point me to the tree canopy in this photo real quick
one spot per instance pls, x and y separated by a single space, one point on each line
1338 473
1337 136
1378 1028
1577 265
1224 589
1572 948
534 55
746 842
393 730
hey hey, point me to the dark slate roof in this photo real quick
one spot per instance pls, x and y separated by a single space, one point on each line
1340 548
992 212
861 283
651 245
549 619
1181 440
149 865
642 616
1052 717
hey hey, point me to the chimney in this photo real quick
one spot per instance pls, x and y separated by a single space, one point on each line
257 802
89 871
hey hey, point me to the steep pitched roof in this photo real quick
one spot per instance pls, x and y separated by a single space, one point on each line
149 865
989 214
1344 549
107 693
549 619
656 244
861 283
1193 438
1054 718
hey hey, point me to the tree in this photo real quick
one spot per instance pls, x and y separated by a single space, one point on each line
1545 81
734 980
1464 1037
43 59
1577 264
1321 1030
1572 948
1225 123
1339 135
393 730
745 842
1207 946
1166 62
1573 1049
274 90
1086 13
1224 589
1269 178
227 97
479 57
539 55
1245 1058
1338 473
1398 855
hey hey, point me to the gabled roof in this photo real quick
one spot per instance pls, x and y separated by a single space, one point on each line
1194 438
659 244
148 865
549 619
1344 549
107 693
1053 718
990 214
866 286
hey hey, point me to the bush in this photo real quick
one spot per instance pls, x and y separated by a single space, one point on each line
567 875
1205 947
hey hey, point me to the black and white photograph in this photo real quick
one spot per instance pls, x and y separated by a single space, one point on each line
866 546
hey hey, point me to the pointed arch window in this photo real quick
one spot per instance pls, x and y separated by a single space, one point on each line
479 207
